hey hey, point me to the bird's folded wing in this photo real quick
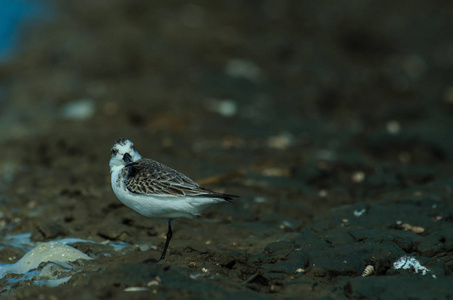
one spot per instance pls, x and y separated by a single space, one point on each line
149 177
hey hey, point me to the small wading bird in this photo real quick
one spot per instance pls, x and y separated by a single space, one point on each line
155 190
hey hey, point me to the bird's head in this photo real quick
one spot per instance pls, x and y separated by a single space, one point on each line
123 152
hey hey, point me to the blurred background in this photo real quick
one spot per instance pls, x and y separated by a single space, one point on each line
298 94
263 67
297 106
241 83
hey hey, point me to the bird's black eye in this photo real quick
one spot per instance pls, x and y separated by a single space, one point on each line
114 151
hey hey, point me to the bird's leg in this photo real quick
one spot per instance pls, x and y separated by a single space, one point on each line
167 242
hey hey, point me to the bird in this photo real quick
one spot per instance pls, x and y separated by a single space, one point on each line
154 190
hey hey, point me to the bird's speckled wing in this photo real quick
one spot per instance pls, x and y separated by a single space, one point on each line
150 177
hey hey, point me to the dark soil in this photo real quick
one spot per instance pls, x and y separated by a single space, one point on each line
331 119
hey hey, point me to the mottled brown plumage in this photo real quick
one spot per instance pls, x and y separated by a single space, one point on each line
149 177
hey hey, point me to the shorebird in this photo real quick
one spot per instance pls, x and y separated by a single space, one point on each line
155 190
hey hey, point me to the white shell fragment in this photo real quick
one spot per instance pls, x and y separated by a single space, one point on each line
408 262
154 282
136 289
358 213
369 270
407 226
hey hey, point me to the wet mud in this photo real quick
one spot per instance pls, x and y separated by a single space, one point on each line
331 120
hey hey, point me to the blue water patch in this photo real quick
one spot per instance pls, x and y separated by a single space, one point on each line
21 241
13 13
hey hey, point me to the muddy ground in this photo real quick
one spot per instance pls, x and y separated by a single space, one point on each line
331 119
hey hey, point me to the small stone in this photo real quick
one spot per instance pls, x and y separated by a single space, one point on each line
406 226
323 193
358 176
417 229
225 107
275 288
393 127
281 141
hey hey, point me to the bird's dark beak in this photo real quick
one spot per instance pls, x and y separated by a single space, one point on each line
127 158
